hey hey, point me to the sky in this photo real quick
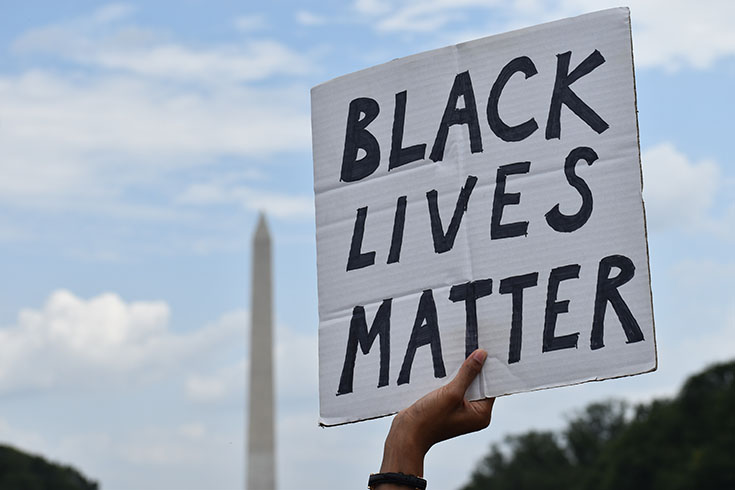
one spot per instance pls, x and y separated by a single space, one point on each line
139 141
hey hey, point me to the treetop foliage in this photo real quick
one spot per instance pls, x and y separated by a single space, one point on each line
22 471
687 442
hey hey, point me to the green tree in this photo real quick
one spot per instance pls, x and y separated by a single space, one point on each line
21 471
587 437
683 443
501 470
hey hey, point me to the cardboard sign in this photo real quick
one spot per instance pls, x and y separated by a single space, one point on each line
485 194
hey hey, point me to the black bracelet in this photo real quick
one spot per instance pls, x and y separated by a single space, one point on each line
397 478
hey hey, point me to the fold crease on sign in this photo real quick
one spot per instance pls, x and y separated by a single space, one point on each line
481 380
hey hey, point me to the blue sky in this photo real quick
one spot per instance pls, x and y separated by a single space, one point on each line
138 142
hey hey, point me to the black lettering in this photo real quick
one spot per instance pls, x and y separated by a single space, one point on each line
357 137
501 199
462 87
522 131
554 307
425 331
398 155
470 292
515 286
443 242
396 240
607 291
568 223
358 259
562 94
359 334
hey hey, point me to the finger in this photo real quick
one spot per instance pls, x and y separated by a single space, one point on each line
469 370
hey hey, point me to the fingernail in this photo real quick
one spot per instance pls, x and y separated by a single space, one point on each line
479 355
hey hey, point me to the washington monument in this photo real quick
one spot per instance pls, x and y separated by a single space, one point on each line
261 463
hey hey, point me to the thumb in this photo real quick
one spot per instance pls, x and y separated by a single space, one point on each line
469 370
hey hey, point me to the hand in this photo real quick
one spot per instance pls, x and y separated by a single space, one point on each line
442 414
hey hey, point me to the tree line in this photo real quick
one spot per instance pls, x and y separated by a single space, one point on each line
23 471
684 442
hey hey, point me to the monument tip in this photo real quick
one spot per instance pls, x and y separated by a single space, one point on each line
261 230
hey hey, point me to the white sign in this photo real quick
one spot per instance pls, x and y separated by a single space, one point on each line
485 194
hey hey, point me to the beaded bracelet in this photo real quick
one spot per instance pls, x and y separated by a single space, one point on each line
398 479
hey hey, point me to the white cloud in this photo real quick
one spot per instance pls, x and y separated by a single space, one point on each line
22 439
193 430
274 203
680 34
188 456
296 372
112 12
10 232
95 348
72 342
134 106
204 388
373 7
430 16
679 193
675 34
670 34
225 383
65 136
700 351
249 23
144 52
296 364
255 61
307 18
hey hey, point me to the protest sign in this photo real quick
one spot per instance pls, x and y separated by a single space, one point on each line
485 194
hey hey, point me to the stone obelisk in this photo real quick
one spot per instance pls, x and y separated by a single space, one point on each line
261 472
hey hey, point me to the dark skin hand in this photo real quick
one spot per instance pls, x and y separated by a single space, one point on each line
440 415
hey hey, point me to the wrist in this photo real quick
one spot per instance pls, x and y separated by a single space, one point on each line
403 452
